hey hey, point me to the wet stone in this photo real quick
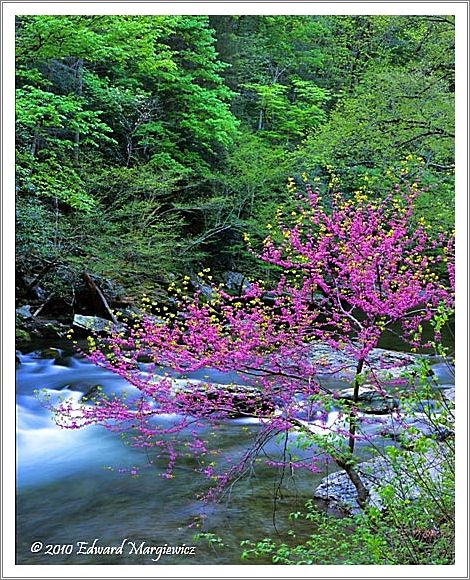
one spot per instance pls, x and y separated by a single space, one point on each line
370 400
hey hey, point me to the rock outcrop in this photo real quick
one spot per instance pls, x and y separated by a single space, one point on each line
339 493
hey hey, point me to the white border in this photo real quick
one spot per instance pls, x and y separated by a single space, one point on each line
10 10
228 7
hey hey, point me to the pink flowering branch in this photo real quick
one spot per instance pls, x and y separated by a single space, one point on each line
349 270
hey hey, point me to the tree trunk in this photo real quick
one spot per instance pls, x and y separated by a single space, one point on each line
362 491
353 412
35 143
39 310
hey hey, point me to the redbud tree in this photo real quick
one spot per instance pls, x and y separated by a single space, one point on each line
349 271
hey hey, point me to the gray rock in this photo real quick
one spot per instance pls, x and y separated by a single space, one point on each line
24 311
406 429
93 391
39 293
44 328
205 290
95 323
370 400
444 372
426 406
342 366
54 329
233 400
235 282
338 492
48 353
448 392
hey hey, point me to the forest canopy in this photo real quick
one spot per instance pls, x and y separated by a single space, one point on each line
149 146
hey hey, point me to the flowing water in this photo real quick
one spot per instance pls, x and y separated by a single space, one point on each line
71 487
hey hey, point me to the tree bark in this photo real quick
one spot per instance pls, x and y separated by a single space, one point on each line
362 491
353 412
355 478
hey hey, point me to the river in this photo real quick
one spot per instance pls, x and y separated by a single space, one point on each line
74 486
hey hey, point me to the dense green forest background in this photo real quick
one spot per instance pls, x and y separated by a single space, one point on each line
149 147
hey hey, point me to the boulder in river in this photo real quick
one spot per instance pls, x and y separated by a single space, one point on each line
448 392
409 429
370 400
232 401
340 365
48 353
56 354
338 492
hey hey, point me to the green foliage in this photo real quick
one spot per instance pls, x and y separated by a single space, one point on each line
410 519
332 542
198 121
211 539
21 335
399 102
118 119
287 114
404 531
